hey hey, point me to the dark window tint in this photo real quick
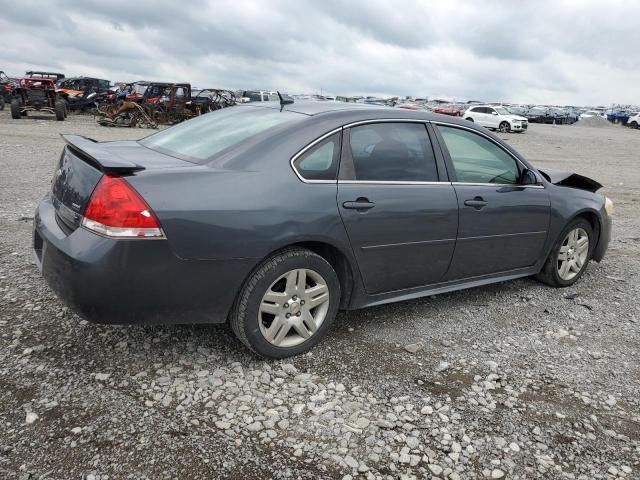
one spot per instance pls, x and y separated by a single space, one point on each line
398 152
478 160
320 162
477 110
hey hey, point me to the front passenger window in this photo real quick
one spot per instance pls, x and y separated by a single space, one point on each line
478 160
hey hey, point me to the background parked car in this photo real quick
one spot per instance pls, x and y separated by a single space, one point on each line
634 120
499 118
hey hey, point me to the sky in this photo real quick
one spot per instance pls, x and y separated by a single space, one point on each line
562 52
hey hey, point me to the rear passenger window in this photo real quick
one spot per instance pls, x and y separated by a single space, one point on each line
320 162
399 152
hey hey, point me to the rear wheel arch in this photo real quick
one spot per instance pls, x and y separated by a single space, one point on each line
340 263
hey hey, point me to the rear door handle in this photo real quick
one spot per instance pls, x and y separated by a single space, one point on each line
360 204
477 203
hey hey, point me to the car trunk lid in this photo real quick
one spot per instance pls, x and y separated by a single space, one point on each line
82 164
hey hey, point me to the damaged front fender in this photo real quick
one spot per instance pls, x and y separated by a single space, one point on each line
571 180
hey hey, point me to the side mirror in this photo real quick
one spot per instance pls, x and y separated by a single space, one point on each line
528 177
494 113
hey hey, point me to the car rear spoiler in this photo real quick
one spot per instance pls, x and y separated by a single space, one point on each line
91 151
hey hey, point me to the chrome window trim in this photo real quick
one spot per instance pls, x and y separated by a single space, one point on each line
473 130
386 120
389 182
501 185
305 149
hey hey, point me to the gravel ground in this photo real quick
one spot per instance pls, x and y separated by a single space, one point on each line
514 380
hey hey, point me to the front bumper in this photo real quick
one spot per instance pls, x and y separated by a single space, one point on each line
132 281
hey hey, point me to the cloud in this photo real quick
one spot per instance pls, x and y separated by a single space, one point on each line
557 52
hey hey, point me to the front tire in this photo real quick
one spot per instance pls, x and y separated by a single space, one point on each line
505 127
569 256
15 109
634 124
287 304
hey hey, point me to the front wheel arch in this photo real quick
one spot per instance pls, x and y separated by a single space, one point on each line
594 221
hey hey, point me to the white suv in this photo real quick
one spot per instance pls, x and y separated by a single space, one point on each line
496 117
634 120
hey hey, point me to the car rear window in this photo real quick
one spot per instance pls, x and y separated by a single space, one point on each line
199 139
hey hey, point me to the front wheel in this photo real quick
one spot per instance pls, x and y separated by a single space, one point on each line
570 255
287 304
504 127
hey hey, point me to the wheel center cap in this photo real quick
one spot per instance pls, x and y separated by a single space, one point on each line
294 308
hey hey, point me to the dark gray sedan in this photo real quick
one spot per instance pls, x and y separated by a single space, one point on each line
272 218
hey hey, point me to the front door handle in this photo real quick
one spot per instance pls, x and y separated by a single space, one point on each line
476 202
361 204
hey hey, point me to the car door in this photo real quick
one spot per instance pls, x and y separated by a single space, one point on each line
398 208
503 223
492 118
476 114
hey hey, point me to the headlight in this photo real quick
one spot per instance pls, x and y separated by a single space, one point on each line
608 206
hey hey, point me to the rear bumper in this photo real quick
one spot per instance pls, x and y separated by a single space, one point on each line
132 281
604 239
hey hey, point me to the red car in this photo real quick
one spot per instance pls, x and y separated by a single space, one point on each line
452 110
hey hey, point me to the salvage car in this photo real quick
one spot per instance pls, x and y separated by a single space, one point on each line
272 217
36 94
498 118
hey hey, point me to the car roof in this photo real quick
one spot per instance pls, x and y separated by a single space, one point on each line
355 111
310 107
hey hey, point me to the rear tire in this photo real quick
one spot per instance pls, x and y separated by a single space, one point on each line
1 102
551 272
60 109
633 124
15 109
469 119
259 317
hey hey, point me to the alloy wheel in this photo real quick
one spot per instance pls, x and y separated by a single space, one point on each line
293 307
573 253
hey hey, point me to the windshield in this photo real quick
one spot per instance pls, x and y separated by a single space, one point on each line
502 111
199 139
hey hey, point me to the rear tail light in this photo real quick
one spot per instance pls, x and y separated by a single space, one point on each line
116 210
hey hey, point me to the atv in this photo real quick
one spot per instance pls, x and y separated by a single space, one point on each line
5 89
36 94
82 93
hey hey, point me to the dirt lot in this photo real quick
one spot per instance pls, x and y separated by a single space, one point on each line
514 380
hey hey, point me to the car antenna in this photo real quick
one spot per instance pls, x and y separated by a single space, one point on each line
284 101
